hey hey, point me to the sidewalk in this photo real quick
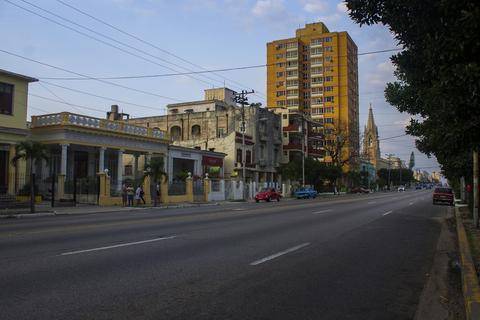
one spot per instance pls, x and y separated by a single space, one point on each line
45 210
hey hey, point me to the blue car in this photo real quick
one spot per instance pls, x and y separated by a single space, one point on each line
305 193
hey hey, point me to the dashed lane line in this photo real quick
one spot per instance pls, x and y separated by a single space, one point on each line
322 211
387 213
116 246
278 254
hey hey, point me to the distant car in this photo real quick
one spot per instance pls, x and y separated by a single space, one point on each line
359 190
401 188
443 195
418 187
268 194
305 193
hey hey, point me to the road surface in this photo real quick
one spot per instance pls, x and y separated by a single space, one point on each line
353 257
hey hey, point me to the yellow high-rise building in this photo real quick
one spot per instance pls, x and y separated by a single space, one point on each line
313 78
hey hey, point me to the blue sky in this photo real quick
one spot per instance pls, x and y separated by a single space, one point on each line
212 34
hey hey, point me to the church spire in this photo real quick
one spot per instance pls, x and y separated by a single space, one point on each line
371 121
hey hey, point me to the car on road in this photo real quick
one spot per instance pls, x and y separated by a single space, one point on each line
268 194
305 193
418 187
359 190
443 195
401 188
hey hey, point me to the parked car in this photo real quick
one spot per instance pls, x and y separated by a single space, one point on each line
305 193
359 190
401 188
418 187
268 194
443 195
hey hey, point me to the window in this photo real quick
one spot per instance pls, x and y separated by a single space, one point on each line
280 93
291 83
220 132
327 39
292 73
285 116
317 79
292 54
293 92
329 69
315 61
317 100
280 83
328 78
292 102
317 70
262 151
248 156
328 49
280 55
329 120
328 59
292 45
329 99
317 90
281 103
128 170
292 64
328 89
280 64
285 134
328 110
315 51
239 155
196 131
316 42
280 74
176 133
6 98
280 46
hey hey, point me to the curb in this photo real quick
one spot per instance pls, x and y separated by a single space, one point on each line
470 285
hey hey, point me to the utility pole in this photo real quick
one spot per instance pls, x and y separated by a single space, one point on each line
389 155
241 98
475 188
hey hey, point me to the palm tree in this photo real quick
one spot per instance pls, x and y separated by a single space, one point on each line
154 169
31 151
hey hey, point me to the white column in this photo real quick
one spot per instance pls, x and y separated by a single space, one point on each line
63 160
120 169
101 159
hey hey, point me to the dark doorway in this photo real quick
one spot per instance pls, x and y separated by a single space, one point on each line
3 172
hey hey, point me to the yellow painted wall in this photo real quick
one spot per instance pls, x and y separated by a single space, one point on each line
20 93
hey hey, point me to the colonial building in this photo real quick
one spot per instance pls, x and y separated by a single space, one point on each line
316 72
13 128
214 124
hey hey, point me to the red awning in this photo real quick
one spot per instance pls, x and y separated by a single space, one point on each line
212 161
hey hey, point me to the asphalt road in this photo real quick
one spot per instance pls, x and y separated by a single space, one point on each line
354 257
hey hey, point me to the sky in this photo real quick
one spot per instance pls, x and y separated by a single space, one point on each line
176 37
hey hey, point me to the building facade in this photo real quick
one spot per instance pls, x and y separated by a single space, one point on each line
316 72
13 128
214 124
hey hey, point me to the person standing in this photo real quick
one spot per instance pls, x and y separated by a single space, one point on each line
142 193
124 195
130 194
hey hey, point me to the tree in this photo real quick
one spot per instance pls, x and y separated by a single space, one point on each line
31 151
438 72
411 164
155 170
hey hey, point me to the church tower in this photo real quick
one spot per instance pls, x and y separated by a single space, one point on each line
371 144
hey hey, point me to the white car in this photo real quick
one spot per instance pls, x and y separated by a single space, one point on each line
401 188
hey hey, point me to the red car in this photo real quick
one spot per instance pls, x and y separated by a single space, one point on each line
443 195
268 194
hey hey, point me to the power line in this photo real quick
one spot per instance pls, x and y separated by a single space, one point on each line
143 41
67 103
195 72
402 135
97 39
89 77
105 97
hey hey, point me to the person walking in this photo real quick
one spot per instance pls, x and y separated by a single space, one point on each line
130 194
137 195
142 193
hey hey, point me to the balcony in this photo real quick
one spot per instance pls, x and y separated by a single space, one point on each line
315 152
65 119
292 96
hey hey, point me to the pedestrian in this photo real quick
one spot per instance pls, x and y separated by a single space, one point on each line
137 195
130 194
124 195
142 193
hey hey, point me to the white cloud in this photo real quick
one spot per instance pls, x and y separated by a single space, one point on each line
330 19
342 7
269 8
315 6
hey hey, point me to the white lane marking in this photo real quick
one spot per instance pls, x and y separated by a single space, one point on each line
117 246
239 209
371 202
388 212
411 203
278 254
322 211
